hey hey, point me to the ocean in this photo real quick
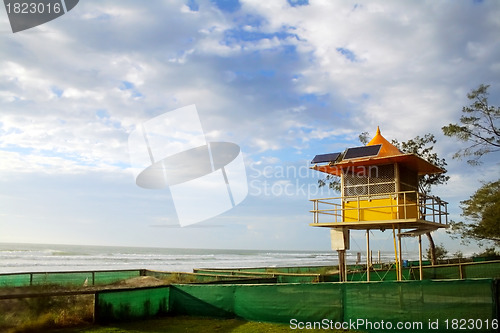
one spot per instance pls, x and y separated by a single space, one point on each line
16 258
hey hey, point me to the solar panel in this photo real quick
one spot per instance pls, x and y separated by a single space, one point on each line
325 158
364 151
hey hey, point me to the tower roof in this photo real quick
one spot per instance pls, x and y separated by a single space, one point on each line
387 154
387 149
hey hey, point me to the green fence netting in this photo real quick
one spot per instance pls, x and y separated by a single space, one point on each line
131 304
358 272
291 269
463 271
15 280
107 277
417 303
482 270
420 303
381 275
280 277
416 306
67 278
299 301
74 278
264 275
182 277
273 303
239 272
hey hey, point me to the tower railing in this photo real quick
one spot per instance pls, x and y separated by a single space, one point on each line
405 205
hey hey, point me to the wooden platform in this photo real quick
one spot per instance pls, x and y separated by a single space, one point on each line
383 225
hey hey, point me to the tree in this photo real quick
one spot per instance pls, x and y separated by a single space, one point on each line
458 255
480 126
488 252
483 209
364 138
423 147
440 253
332 181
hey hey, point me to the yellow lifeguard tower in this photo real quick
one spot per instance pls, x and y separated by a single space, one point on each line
379 191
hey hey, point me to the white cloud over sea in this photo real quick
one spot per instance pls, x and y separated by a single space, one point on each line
285 80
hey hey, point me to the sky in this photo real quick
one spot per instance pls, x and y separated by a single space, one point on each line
284 80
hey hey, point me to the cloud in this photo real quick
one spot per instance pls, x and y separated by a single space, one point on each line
408 58
173 65
285 80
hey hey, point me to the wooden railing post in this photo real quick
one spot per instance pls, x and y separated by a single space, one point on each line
419 206
359 212
316 213
446 212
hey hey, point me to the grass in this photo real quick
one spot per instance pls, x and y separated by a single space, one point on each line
39 313
183 324
178 278
36 314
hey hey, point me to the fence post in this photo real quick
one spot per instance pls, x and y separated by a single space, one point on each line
96 307
420 265
496 297
344 301
404 204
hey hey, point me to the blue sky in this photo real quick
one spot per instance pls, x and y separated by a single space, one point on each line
285 80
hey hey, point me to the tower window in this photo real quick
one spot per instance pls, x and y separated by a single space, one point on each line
369 180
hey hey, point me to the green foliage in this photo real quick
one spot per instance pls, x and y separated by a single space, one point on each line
483 209
364 138
488 252
423 147
440 252
332 181
479 126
